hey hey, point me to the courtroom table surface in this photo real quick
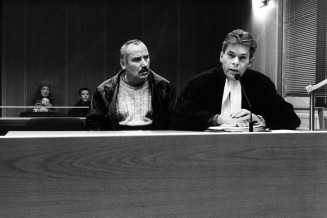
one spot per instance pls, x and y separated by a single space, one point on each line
137 133
163 174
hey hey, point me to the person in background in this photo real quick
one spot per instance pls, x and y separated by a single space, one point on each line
43 99
84 95
215 97
136 98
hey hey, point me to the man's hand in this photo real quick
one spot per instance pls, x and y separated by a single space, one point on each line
228 119
239 118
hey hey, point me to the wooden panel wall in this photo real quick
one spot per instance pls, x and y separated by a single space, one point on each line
75 43
44 47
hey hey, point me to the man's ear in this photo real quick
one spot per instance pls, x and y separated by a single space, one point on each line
251 61
221 55
122 64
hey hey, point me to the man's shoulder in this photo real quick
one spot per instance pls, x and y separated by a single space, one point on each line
162 85
252 72
255 75
159 79
208 73
109 84
209 76
79 103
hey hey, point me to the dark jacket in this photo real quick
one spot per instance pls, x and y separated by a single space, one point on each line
201 99
80 112
102 115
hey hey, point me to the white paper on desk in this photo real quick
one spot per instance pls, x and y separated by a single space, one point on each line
232 128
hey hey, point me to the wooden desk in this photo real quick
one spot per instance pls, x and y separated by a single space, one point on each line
164 174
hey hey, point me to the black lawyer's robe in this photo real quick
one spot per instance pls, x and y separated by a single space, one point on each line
201 99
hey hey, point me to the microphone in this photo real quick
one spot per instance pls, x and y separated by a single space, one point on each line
238 77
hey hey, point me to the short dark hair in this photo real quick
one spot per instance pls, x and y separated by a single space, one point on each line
240 37
82 89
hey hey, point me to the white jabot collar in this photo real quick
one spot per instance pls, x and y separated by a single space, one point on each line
232 97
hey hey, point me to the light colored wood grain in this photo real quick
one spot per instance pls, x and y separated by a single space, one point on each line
209 175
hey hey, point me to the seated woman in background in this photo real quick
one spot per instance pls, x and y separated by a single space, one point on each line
84 95
43 99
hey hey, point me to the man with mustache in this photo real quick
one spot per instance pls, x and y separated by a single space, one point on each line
134 99
215 97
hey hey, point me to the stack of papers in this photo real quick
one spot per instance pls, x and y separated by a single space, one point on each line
232 128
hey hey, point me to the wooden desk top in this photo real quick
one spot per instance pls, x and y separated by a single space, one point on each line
41 134
164 174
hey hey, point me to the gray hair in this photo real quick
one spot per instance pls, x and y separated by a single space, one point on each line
124 47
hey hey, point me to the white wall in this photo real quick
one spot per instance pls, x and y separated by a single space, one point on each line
266 26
